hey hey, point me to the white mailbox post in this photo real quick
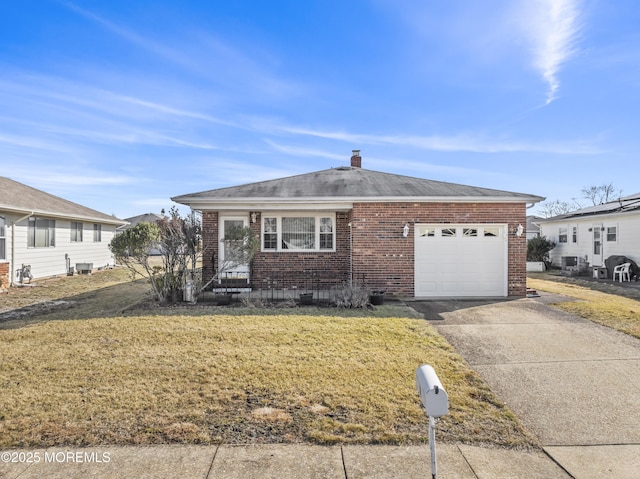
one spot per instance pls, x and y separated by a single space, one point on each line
436 404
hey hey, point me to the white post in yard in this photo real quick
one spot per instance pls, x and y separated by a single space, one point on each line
436 404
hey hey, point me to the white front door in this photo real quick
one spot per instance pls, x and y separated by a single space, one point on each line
597 257
228 223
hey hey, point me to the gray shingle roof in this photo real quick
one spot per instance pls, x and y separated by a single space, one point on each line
144 218
623 205
353 184
23 199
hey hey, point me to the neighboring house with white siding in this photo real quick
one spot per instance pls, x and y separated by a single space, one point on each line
49 234
589 236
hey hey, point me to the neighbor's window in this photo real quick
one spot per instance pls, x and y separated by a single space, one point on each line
76 231
3 239
42 233
574 234
298 233
97 233
612 233
562 235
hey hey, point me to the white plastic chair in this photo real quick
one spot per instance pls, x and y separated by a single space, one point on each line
622 271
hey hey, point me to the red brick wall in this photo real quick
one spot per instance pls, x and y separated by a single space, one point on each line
380 253
294 269
380 250
301 269
4 275
209 243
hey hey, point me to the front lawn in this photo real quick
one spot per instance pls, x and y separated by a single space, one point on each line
203 376
612 310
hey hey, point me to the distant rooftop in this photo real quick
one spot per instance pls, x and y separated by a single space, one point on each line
621 205
23 199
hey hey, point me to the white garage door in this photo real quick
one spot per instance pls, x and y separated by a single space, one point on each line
460 260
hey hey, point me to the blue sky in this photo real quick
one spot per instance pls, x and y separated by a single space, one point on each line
119 105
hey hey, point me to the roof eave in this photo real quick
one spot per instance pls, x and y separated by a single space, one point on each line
198 203
50 214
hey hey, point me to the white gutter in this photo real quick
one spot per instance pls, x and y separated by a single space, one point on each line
13 244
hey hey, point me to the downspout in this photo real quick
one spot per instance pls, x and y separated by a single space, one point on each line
13 244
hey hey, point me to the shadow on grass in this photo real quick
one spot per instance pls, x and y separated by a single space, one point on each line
101 302
435 310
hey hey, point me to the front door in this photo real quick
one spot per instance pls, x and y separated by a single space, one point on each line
597 246
226 256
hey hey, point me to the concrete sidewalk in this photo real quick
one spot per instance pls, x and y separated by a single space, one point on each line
573 383
280 461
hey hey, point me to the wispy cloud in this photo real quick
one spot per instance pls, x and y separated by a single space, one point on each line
554 28
455 143
303 151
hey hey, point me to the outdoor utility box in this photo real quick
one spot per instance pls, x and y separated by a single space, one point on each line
434 397
84 268
600 273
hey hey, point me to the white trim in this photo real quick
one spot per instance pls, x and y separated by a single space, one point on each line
317 215
334 204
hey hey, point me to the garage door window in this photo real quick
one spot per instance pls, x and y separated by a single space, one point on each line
491 232
448 232
470 232
426 232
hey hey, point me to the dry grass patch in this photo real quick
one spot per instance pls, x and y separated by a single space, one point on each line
100 294
617 312
236 379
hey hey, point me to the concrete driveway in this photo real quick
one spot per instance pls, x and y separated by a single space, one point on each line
573 383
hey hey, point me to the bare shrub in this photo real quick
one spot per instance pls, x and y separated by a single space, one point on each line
350 296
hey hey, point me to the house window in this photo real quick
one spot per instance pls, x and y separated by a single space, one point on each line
612 233
326 233
270 233
97 233
298 233
76 231
3 239
562 235
574 234
42 233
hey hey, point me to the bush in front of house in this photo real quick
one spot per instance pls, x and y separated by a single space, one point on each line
351 296
538 249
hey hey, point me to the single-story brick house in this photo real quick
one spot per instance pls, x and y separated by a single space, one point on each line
48 235
407 236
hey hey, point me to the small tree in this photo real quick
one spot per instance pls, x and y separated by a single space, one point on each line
132 248
240 248
538 249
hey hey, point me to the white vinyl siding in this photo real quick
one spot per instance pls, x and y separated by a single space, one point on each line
626 228
47 262
3 239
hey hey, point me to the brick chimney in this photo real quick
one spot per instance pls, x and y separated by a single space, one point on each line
356 159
